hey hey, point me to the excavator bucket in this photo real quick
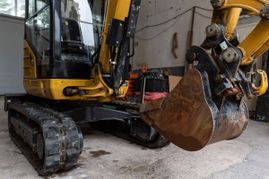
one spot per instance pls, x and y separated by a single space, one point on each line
190 118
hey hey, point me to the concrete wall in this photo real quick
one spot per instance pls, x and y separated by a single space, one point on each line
11 53
159 20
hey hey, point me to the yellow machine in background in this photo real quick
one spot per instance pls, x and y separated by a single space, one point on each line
76 71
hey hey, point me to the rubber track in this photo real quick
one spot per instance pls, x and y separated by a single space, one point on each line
62 139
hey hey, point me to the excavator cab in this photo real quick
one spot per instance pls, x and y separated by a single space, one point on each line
66 46
78 50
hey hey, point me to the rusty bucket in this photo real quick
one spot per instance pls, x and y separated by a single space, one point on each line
190 119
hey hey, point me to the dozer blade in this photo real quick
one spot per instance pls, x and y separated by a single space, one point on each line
190 119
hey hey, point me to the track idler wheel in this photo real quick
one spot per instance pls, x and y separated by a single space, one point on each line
190 119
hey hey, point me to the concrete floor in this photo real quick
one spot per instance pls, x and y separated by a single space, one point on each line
106 156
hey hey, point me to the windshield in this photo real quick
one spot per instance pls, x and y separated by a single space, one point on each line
82 23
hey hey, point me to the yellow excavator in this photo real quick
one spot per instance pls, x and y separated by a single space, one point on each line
76 66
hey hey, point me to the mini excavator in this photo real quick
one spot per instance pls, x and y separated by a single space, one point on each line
76 66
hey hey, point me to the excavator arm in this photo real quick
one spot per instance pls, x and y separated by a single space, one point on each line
119 29
208 105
